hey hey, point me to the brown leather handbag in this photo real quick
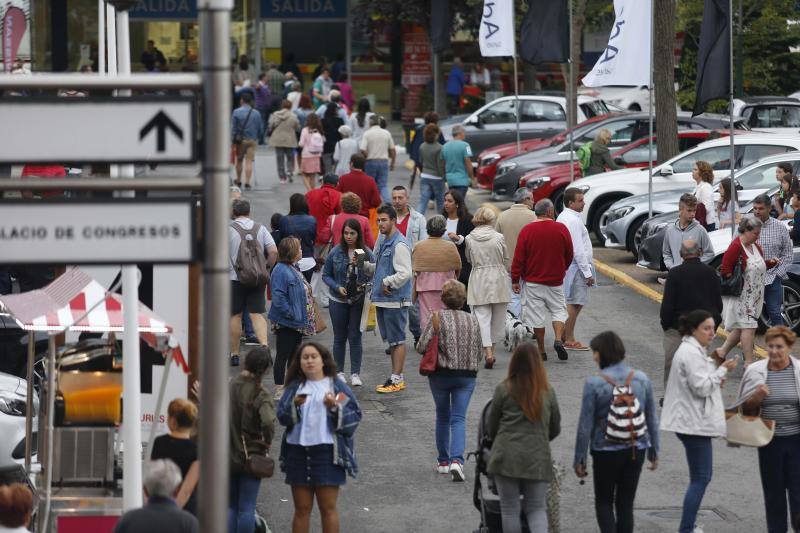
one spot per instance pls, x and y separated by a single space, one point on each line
259 466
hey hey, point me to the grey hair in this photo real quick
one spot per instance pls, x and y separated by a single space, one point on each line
345 131
436 226
161 478
458 129
542 207
749 223
690 248
522 194
374 119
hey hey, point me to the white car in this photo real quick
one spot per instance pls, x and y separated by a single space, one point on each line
12 420
627 98
602 190
771 114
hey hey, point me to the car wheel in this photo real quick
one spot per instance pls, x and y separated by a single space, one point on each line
790 308
634 107
558 200
599 219
634 238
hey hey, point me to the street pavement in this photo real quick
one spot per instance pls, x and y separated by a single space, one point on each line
398 489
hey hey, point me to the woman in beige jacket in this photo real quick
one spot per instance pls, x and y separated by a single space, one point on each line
487 291
284 127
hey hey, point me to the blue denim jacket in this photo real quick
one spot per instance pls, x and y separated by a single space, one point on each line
289 296
334 274
342 423
250 127
304 227
597 394
384 267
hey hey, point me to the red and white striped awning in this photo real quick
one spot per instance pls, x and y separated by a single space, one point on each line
76 302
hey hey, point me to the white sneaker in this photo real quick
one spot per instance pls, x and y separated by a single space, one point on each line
340 375
457 471
443 468
355 380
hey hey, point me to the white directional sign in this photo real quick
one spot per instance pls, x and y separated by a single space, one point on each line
90 232
113 130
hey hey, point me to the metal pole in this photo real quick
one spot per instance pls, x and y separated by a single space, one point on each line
103 184
48 427
259 36
650 114
730 125
570 108
516 96
111 36
101 36
435 80
96 81
214 18
29 404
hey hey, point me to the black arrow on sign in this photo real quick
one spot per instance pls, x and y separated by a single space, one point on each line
161 122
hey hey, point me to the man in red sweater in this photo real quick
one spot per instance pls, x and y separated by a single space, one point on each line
359 182
324 202
543 254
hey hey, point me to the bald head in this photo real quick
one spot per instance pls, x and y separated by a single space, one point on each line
545 208
690 249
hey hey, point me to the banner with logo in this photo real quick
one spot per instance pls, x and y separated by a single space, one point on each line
14 26
496 33
626 59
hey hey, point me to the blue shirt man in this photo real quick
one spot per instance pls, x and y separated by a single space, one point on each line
457 159
455 85
245 120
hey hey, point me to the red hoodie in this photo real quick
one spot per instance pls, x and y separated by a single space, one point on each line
543 253
322 203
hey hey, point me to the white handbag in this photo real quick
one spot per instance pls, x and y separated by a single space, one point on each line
748 430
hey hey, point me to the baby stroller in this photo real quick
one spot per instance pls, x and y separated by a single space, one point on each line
484 494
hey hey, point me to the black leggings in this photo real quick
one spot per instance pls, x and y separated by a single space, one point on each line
286 342
616 476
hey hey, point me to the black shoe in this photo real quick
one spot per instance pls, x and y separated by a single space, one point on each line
252 339
544 356
234 360
561 352
247 186
388 351
661 402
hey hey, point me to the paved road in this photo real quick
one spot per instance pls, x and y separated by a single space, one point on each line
398 489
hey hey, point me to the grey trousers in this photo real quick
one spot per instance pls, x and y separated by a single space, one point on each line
285 157
533 493
671 342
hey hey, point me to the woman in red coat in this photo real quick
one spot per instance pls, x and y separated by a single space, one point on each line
351 205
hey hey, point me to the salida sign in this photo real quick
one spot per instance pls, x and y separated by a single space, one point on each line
164 9
293 9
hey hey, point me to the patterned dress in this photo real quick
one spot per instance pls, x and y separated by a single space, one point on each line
743 311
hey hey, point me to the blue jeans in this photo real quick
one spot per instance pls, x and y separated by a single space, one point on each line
379 170
698 455
242 493
247 324
430 189
413 321
346 322
773 300
779 465
462 190
451 394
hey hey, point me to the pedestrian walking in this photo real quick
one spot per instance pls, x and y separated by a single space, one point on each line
346 89
740 313
334 100
580 274
543 254
178 446
300 224
510 223
378 148
312 141
456 80
244 74
275 79
303 109
347 282
457 157
459 225
263 99
693 406
600 156
283 130
345 148
289 311
770 388
323 83
359 121
703 175
418 137
351 206
246 127
295 95
252 425
776 244
434 261
16 508
359 182
321 415
724 205
322 203
411 224
788 186
453 381
391 293
488 293
686 228
331 122
249 295
432 169
689 286
160 480
619 425
524 418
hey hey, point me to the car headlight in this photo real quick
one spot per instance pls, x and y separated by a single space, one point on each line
535 183
10 404
505 168
488 159
620 212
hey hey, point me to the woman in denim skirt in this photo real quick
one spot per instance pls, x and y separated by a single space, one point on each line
321 415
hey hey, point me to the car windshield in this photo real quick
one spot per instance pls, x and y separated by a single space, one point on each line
775 116
594 108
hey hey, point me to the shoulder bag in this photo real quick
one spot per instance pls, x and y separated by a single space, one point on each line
748 430
259 466
239 137
733 285
430 360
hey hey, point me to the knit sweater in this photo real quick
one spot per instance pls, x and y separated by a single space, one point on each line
543 254
460 345
435 254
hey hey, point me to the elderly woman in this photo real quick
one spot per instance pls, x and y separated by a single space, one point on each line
344 150
772 386
488 293
454 379
600 155
740 313
433 261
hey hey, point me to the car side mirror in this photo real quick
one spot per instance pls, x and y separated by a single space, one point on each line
474 121
666 170
619 160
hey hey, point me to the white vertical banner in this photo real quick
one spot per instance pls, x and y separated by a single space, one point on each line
496 32
626 59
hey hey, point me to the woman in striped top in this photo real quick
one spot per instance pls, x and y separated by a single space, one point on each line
773 386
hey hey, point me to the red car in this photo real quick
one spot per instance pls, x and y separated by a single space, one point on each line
550 182
489 158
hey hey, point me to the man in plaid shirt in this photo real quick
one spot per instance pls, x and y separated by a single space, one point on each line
777 244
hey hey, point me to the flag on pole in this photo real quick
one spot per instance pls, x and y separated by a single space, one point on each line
14 26
544 36
496 32
440 25
626 59
713 59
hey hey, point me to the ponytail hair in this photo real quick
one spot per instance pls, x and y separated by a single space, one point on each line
691 321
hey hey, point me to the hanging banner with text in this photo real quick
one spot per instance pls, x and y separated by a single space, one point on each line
303 9
14 26
496 32
164 10
417 71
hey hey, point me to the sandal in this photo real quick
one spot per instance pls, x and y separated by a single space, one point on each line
577 346
489 362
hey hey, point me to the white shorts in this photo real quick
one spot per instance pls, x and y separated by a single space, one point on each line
576 291
540 300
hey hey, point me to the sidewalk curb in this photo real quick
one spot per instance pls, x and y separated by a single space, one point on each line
642 289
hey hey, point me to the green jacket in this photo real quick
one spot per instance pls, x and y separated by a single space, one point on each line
252 416
521 448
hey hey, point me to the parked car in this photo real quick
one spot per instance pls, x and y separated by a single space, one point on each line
775 114
621 223
552 181
624 129
630 98
13 392
602 190
542 116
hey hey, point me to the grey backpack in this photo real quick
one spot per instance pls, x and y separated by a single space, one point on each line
251 263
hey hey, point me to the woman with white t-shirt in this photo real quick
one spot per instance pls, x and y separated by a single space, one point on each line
703 175
459 225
